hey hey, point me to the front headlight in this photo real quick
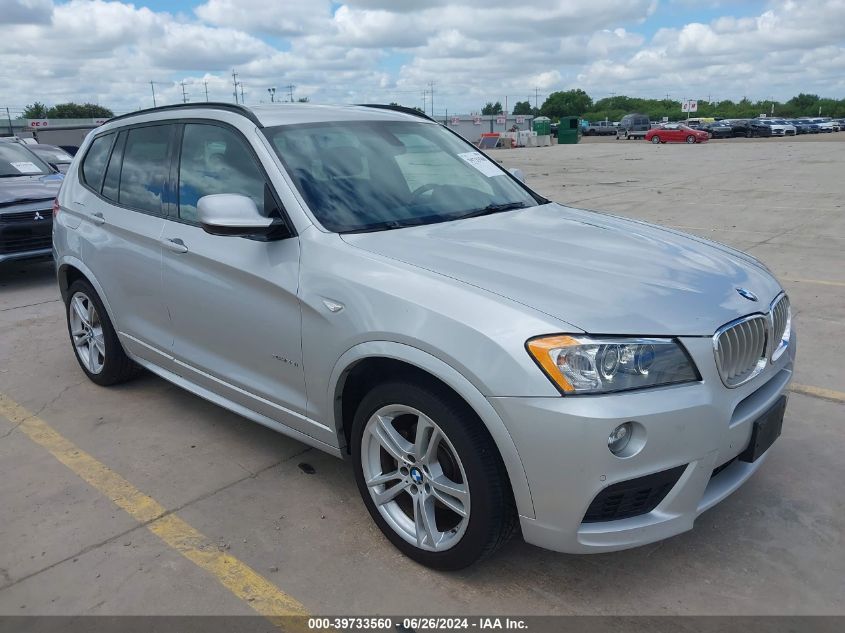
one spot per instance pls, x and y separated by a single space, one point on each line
583 364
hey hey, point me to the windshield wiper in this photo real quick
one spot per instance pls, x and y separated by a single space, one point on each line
386 226
491 209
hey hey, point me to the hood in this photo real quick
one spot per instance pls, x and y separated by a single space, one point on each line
600 273
29 188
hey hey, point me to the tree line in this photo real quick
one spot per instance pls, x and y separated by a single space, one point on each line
71 110
578 103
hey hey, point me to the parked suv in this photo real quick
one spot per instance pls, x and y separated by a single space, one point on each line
28 187
367 282
633 126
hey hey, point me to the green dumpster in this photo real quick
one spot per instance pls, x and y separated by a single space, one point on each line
543 126
568 130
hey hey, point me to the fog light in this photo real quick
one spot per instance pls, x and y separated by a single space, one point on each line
618 440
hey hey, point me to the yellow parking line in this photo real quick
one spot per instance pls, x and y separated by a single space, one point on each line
817 281
819 392
236 576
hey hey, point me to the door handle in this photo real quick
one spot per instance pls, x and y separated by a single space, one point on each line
176 245
97 218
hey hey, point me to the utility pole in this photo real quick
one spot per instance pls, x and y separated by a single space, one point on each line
184 94
272 92
235 84
536 97
241 84
290 92
205 83
12 132
431 87
425 94
153 87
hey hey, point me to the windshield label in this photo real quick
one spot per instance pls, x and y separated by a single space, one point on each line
25 167
481 163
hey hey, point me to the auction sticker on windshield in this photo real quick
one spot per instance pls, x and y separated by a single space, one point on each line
25 167
481 163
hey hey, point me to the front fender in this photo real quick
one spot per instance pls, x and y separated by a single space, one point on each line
463 387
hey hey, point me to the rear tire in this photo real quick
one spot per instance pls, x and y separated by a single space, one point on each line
93 338
393 443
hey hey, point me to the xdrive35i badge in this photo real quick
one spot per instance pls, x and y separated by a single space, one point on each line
746 294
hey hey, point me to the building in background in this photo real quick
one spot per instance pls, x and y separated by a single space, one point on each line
61 132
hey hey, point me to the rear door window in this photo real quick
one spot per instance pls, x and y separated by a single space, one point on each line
143 175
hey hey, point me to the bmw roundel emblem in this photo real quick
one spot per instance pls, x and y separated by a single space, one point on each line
746 294
416 475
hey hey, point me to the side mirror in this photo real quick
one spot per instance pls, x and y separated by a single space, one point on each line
234 215
517 173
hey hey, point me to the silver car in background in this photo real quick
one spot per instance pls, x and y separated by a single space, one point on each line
367 282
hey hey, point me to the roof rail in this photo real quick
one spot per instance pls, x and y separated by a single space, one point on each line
397 108
213 105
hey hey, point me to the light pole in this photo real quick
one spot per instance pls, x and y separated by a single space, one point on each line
272 92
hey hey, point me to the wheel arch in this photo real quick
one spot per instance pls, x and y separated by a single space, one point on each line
69 269
365 364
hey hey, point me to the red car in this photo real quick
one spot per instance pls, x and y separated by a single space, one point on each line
676 133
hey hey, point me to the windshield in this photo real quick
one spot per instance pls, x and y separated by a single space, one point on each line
54 155
378 175
16 160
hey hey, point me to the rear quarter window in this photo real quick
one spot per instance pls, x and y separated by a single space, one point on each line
94 163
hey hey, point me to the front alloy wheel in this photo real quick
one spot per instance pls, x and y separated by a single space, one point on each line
430 474
655 140
690 139
415 478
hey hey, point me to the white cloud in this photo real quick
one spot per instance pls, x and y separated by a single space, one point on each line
25 11
390 50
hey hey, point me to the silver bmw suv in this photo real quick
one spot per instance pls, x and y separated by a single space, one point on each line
367 282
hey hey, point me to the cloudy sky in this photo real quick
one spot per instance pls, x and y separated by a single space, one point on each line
391 50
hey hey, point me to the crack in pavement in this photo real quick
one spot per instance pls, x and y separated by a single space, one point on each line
29 305
42 408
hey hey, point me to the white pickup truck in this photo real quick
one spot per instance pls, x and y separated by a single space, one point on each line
600 128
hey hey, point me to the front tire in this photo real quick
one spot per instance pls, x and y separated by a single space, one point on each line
690 139
93 337
430 475
655 140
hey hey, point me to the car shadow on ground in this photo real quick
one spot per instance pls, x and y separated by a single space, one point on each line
27 274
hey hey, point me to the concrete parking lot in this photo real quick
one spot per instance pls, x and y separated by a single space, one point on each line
774 547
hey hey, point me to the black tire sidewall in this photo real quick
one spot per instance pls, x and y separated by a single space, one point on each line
114 355
453 420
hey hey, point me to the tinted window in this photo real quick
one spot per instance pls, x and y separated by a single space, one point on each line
216 160
143 176
110 186
94 164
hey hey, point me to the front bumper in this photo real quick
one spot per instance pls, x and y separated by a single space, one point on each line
26 238
701 426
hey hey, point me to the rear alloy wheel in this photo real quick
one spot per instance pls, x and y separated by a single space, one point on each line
655 140
690 139
430 475
94 339
86 331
